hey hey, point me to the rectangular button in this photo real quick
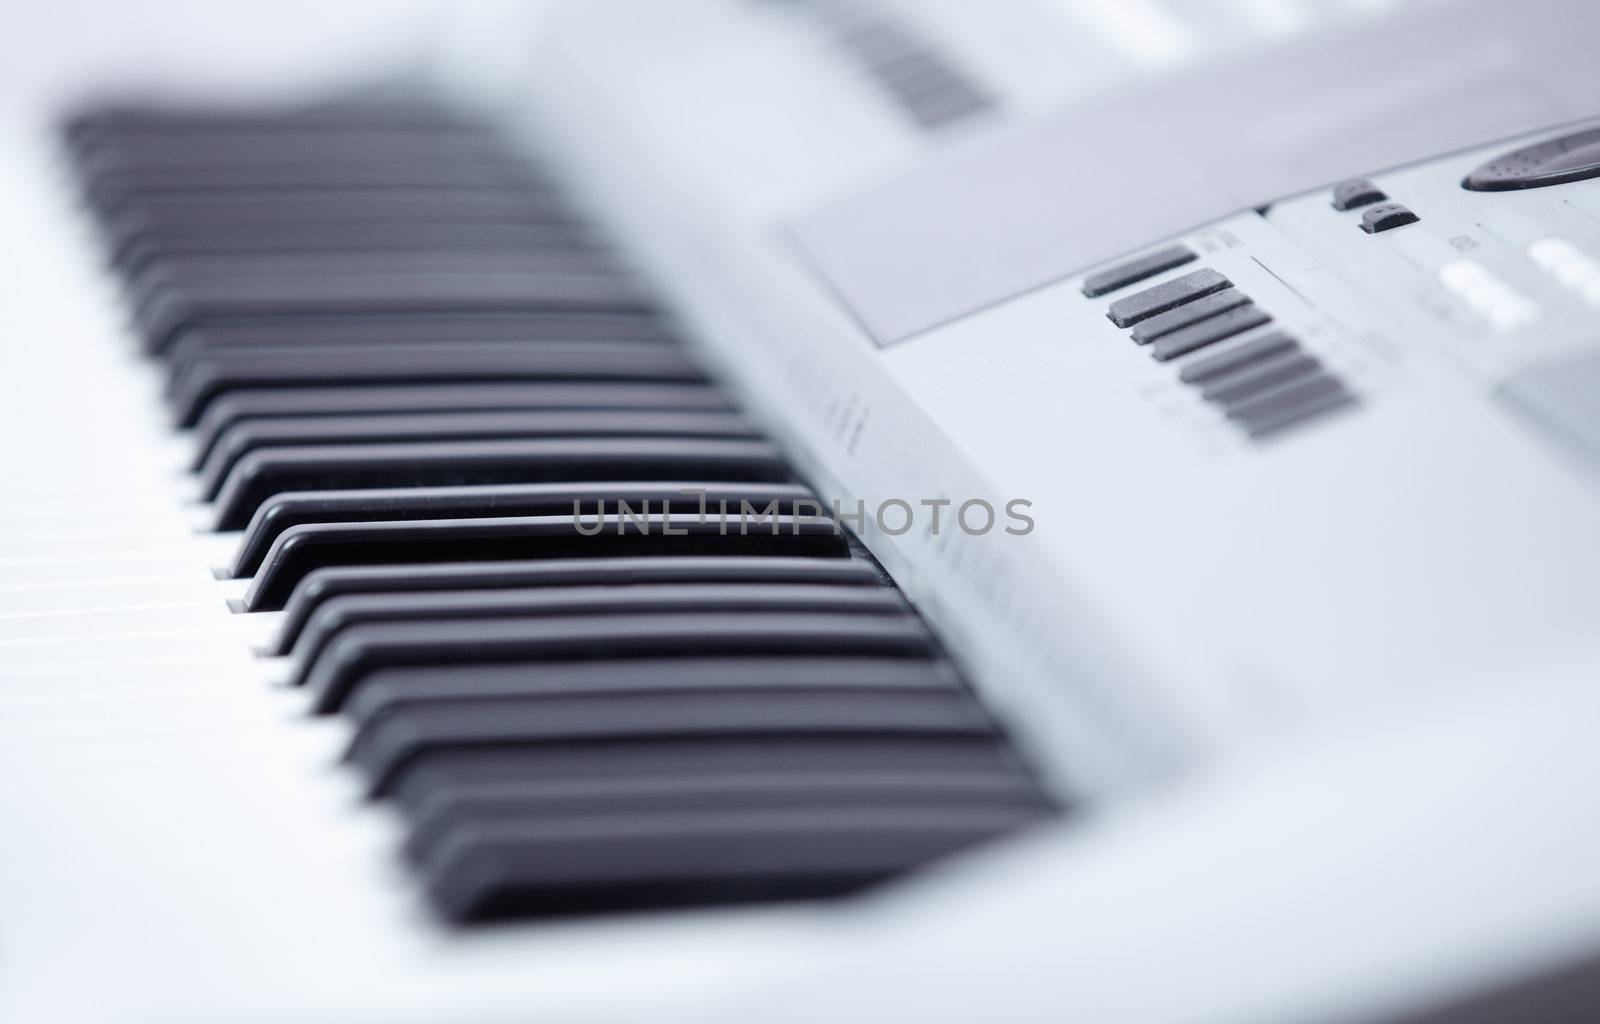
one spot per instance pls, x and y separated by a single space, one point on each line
1238 357
1208 332
1289 404
1189 313
1253 380
1166 295
1136 270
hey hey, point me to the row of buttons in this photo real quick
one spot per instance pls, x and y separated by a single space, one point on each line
1263 385
1359 192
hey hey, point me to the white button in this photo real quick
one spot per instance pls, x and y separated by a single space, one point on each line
1487 295
1574 268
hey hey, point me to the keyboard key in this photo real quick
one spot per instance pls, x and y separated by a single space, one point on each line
396 504
304 549
601 863
176 277
167 313
537 801
382 749
441 328
217 373
363 649
270 471
342 613
247 436
322 585
265 403
150 245
387 690
445 777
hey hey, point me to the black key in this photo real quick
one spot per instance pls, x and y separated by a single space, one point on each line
152 244
216 373
1357 192
533 801
170 312
269 471
382 692
1237 357
176 278
1166 295
156 218
1208 332
375 329
445 777
110 125
382 750
403 503
233 161
120 173
342 613
490 871
129 190
225 153
286 432
321 585
1188 314
1386 217
264 403
302 549
1241 385
361 650
1135 270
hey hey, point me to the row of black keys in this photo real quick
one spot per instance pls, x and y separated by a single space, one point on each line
406 363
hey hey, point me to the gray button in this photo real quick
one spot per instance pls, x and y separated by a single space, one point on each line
1253 380
1389 215
1167 295
1237 357
1208 332
1347 195
1189 313
1136 270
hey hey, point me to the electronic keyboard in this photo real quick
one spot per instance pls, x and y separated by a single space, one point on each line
804 510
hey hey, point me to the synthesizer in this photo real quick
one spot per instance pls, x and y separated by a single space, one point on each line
805 510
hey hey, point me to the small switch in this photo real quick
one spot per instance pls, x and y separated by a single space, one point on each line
1389 215
1347 195
1136 270
1166 295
